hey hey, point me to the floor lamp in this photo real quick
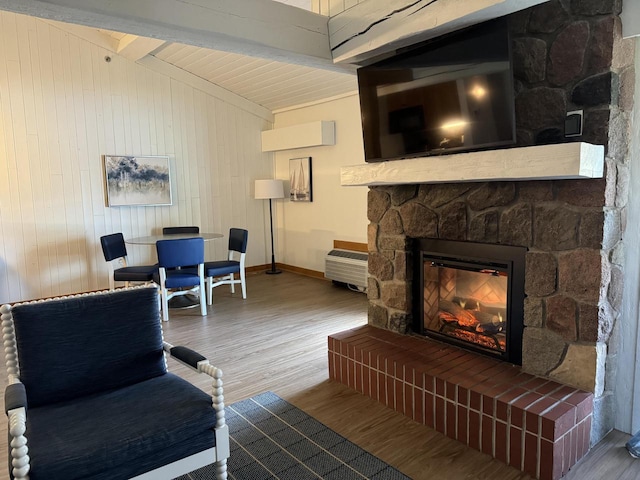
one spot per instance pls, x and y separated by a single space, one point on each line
270 189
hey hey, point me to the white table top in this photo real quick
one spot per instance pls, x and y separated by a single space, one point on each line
152 239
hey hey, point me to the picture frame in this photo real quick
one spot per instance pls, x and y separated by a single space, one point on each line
300 180
133 180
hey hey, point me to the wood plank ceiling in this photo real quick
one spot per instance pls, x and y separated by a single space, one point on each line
274 85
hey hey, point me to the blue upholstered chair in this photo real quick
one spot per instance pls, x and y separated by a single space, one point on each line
89 395
115 253
223 272
180 265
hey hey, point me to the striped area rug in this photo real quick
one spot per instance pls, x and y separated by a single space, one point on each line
272 439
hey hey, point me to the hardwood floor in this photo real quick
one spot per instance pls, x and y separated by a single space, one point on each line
277 340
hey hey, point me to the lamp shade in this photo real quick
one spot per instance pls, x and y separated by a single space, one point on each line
269 189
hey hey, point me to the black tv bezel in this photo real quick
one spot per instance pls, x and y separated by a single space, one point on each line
412 50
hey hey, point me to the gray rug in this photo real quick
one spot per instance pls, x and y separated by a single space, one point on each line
272 439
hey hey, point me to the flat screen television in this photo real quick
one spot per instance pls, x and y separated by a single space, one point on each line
450 94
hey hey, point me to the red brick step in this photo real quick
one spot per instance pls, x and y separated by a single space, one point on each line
531 423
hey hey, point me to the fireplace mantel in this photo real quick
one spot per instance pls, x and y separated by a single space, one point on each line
541 162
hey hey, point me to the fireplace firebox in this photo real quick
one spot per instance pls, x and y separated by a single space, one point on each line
471 295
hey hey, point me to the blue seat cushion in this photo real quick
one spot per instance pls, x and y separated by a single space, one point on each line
77 346
185 277
120 433
223 267
140 273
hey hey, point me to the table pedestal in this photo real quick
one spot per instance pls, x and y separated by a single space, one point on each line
184 301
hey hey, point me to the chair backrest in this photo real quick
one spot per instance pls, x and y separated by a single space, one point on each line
85 344
173 230
238 240
113 246
180 252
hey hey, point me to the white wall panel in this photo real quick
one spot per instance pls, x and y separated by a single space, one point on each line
306 231
62 107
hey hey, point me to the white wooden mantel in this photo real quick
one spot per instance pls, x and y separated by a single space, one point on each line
542 162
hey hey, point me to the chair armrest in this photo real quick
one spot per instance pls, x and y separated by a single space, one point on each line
187 356
192 359
197 362
15 396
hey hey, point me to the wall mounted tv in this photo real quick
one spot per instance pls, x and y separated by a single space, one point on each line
450 94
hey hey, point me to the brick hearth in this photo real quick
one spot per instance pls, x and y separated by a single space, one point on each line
532 423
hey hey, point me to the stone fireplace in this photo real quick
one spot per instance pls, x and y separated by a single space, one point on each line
567 56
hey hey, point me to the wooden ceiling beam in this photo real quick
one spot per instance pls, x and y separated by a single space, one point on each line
257 28
377 27
134 47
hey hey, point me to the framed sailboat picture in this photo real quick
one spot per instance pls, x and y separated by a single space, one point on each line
300 180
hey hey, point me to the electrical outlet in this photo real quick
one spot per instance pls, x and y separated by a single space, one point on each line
573 123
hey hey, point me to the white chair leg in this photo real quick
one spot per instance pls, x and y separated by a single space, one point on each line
203 300
165 306
244 284
203 290
210 290
112 283
233 286
221 469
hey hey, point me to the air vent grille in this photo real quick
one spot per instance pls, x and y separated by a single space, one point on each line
347 266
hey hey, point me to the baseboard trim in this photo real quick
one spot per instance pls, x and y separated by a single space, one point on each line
289 268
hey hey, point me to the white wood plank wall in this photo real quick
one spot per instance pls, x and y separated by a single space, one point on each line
62 107
332 7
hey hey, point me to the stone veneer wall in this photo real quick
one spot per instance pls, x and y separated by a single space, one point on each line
568 55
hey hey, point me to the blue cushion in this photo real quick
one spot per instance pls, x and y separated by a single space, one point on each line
185 277
120 433
238 239
223 267
83 345
178 253
138 273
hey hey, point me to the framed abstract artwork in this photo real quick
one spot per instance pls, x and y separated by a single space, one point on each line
137 180
301 189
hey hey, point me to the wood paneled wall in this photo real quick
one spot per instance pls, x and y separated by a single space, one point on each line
63 106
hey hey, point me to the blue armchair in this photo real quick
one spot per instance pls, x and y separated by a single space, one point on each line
90 397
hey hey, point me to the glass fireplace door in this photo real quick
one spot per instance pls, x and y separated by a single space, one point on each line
467 303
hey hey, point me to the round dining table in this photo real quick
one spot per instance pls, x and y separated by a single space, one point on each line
152 239
182 301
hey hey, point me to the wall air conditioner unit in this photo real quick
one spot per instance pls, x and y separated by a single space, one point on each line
348 267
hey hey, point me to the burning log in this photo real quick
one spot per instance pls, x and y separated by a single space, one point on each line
489 323
488 341
452 312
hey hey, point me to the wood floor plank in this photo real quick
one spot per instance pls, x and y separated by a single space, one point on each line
276 340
